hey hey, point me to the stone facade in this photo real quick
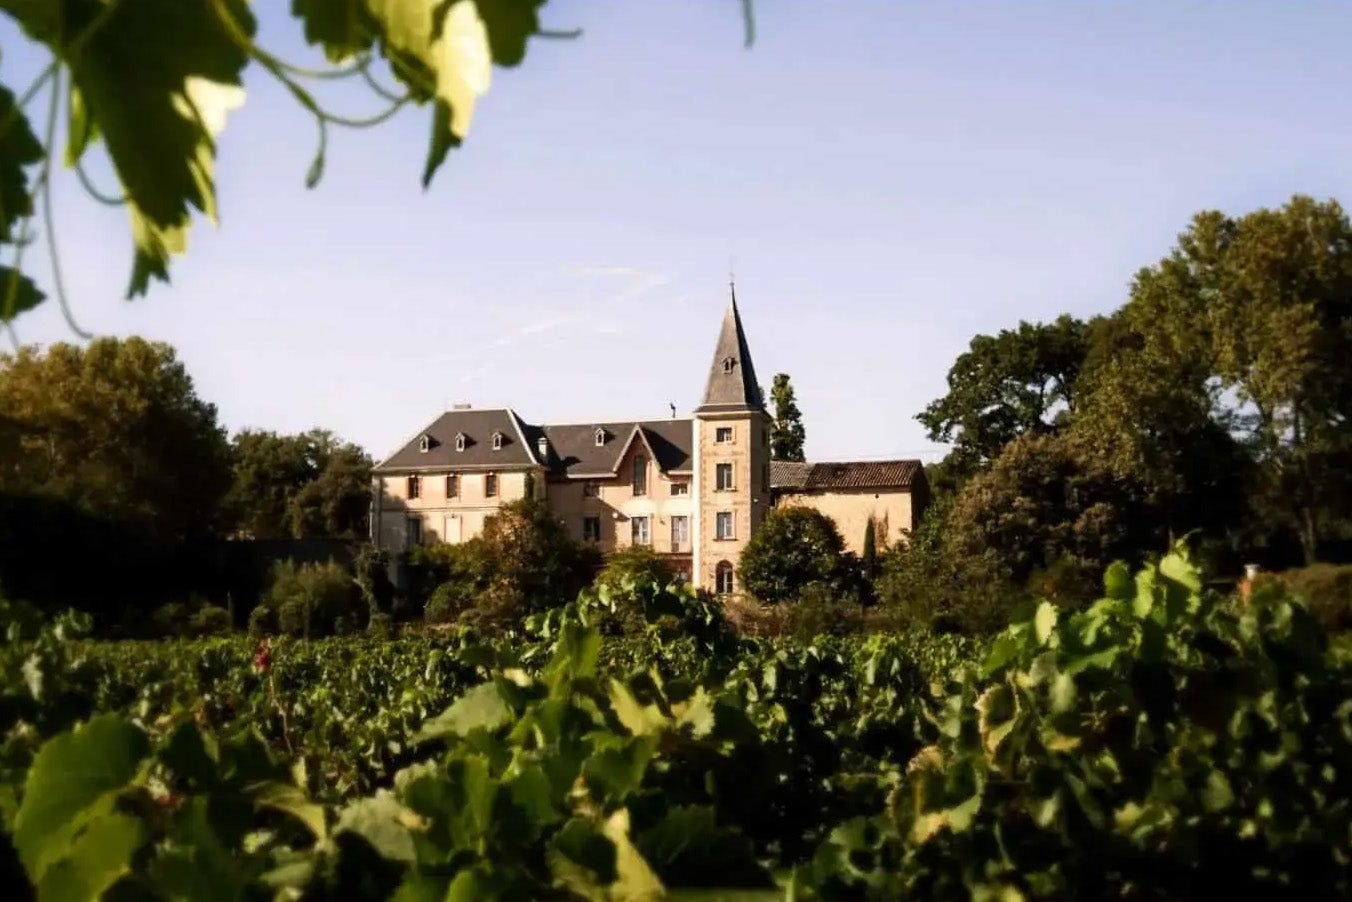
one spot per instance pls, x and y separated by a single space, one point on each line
692 489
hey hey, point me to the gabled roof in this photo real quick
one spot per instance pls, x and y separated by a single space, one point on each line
794 476
478 426
573 450
732 384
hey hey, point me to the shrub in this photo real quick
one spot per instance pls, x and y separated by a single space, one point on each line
817 611
381 626
795 547
630 576
210 620
312 600
448 601
1326 589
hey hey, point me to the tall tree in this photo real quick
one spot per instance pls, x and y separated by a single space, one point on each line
311 484
787 434
1005 385
115 429
1257 310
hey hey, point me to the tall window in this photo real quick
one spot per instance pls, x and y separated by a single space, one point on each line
723 435
490 485
452 486
639 531
723 583
640 475
723 477
497 441
415 487
591 529
680 533
414 531
723 525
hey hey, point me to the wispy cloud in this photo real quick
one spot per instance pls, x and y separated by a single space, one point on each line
603 270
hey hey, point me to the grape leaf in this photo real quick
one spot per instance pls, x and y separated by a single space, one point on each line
70 780
19 147
154 81
98 858
342 27
480 708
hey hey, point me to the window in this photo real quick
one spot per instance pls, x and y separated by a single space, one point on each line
414 487
590 489
591 529
452 485
727 364
640 475
723 578
680 533
414 533
723 525
723 477
723 435
639 531
680 488
600 437
460 441
497 441
490 485
424 443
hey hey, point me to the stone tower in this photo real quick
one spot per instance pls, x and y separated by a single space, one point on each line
732 459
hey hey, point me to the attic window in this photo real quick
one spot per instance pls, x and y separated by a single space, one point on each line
460 441
424 443
600 437
497 441
727 364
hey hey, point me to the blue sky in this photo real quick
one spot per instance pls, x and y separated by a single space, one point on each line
887 178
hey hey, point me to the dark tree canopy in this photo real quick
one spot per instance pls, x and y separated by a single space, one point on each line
794 548
298 486
787 434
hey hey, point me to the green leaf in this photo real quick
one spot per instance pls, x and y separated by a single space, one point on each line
420 888
17 293
188 754
98 858
1062 693
70 781
156 79
1044 621
1217 794
291 800
1178 568
1117 582
19 148
581 858
342 27
481 708
384 823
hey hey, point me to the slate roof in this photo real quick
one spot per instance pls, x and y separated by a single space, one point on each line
478 426
794 476
571 450
732 384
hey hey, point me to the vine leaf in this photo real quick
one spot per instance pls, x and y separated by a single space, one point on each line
19 147
154 80
342 27
71 784
17 294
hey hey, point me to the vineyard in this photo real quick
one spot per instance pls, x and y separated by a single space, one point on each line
1162 743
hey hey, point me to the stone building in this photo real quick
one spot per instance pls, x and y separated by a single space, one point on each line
692 489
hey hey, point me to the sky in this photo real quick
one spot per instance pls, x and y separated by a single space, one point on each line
884 178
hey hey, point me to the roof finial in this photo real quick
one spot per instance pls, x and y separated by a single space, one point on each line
732 283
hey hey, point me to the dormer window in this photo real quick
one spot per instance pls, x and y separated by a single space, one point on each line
497 441
727 364
460 441
424 444
600 436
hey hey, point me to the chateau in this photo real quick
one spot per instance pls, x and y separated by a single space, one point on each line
694 489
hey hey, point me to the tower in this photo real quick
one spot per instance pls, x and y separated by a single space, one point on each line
732 459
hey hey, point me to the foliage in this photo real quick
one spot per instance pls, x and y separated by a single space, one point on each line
629 580
787 433
371 569
448 602
1017 382
311 600
795 547
297 486
1326 590
869 557
1159 745
190 619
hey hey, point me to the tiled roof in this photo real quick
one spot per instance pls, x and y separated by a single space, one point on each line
478 427
825 476
732 384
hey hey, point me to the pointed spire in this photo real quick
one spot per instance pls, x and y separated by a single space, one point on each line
732 384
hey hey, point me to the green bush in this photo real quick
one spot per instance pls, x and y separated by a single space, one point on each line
448 601
795 547
310 600
1326 590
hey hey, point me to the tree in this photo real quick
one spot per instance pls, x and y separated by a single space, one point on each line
117 430
787 433
311 484
1257 311
794 548
869 557
1015 382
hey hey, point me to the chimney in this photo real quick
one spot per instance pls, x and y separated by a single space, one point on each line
542 446
461 405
